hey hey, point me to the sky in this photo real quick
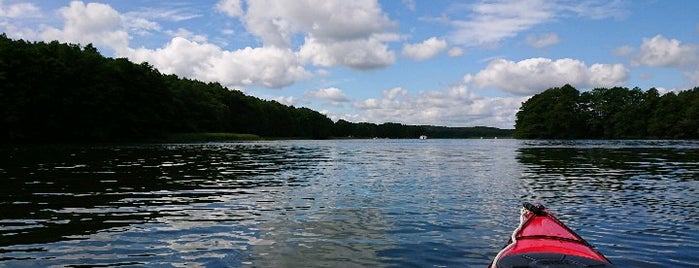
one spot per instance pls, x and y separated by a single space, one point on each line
446 63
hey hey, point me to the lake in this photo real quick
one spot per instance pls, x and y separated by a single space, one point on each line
341 203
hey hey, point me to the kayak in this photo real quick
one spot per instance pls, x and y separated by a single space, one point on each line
541 240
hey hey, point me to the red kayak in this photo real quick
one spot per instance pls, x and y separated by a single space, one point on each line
541 240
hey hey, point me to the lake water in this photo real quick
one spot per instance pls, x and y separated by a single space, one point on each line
341 203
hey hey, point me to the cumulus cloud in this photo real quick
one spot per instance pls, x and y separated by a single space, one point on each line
18 10
93 23
359 53
662 52
454 106
187 54
276 21
534 75
181 32
425 50
368 104
395 93
542 40
331 94
270 67
289 100
357 38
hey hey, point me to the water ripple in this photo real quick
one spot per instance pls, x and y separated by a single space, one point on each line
379 203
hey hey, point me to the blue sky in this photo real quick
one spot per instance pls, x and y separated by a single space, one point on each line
451 63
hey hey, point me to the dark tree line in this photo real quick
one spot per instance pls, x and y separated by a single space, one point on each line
54 92
609 113
399 131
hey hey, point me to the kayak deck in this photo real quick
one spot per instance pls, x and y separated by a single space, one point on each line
541 240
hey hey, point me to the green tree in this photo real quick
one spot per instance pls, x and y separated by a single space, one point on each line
554 113
54 92
689 124
665 117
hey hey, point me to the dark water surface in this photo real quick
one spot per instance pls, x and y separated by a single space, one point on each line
396 203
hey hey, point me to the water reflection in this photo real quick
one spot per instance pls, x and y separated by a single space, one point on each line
66 193
631 198
351 237
397 203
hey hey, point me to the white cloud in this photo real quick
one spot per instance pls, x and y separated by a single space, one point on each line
267 66
180 56
18 10
359 54
662 52
356 38
490 22
368 104
534 75
276 21
605 75
598 9
18 32
332 94
542 40
232 8
455 52
92 23
289 100
164 14
493 21
145 21
394 93
141 26
181 32
454 106
187 54
425 50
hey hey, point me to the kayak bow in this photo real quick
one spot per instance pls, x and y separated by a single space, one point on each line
541 240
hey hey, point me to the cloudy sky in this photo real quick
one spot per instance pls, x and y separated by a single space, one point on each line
451 63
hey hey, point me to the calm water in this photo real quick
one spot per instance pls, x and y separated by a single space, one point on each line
396 203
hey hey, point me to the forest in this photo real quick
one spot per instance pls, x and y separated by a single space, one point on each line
399 131
54 92
609 113
57 92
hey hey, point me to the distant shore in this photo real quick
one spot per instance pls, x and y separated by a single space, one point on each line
210 137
